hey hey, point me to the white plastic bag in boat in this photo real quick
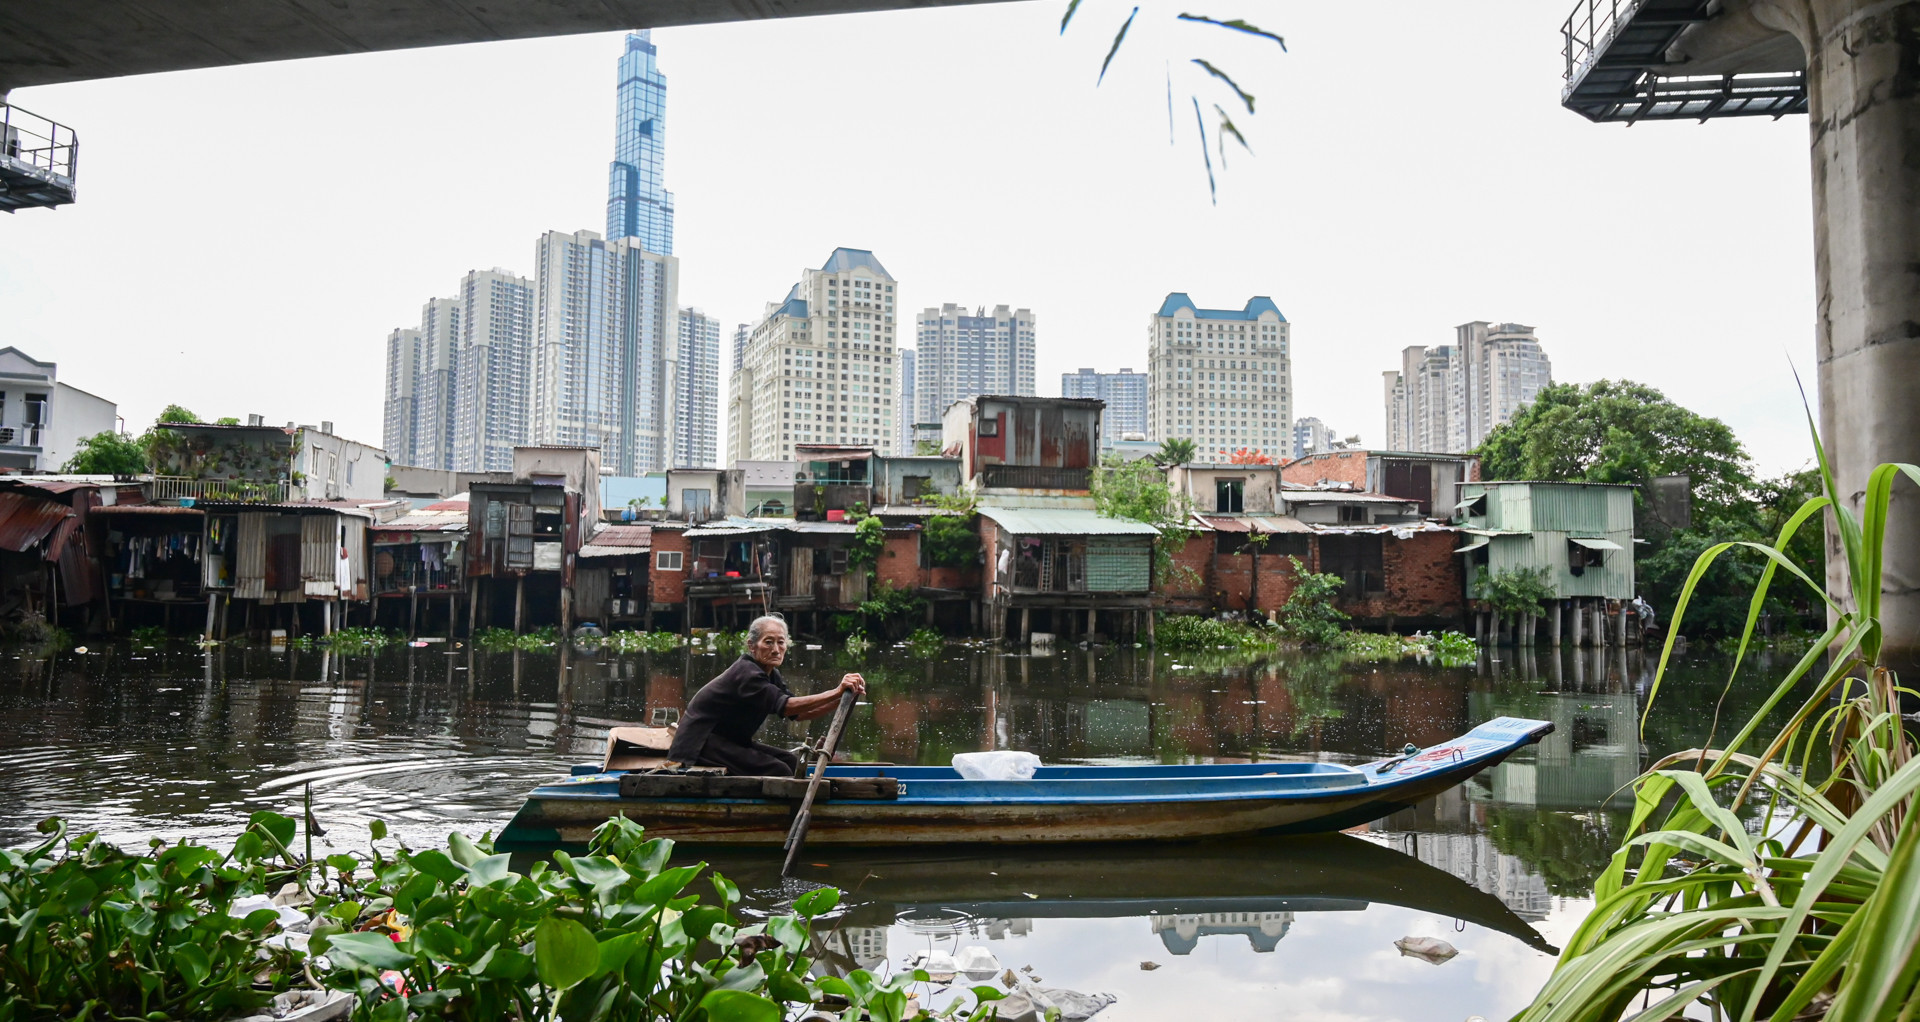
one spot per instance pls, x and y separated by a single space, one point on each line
1005 765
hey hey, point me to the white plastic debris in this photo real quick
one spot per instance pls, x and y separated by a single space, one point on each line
305 1006
1427 949
1004 765
244 907
940 966
977 963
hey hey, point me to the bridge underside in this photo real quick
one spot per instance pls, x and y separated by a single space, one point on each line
1635 60
76 40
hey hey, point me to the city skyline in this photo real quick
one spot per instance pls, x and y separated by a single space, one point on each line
1447 398
1731 360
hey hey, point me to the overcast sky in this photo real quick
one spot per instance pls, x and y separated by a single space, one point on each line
246 237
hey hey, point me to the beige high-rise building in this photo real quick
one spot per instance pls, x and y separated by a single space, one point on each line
1446 399
1222 378
822 366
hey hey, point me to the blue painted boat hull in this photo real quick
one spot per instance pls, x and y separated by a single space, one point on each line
1059 804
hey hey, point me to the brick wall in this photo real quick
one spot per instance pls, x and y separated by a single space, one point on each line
899 563
1189 586
1334 466
1423 582
669 586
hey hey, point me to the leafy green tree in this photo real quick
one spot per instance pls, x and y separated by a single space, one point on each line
177 413
1139 490
952 540
1619 431
108 453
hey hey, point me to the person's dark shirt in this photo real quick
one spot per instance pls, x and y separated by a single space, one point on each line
733 706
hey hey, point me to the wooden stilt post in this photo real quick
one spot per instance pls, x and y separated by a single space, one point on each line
1026 627
1620 627
1556 609
1579 614
213 599
1093 622
413 613
519 605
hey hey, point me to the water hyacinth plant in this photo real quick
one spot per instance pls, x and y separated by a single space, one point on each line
1698 911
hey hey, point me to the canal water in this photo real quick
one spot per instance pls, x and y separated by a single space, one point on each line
170 741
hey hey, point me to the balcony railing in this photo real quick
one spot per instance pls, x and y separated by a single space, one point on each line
176 487
20 436
1034 477
37 160
404 576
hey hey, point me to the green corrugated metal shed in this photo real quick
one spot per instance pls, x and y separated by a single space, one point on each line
1536 525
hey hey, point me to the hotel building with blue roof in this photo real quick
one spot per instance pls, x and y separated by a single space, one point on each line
1221 377
822 366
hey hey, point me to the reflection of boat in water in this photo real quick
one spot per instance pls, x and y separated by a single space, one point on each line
896 805
1228 883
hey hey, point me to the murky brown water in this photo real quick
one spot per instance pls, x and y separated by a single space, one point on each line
173 742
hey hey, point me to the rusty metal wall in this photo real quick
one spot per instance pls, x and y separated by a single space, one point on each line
250 557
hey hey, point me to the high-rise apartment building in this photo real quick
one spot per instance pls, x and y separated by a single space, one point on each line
400 425
493 343
1446 399
1125 393
1311 436
961 356
697 412
1221 377
821 366
741 335
638 204
903 435
606 349
456 392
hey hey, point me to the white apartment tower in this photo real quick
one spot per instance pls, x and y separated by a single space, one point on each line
606 351
959 356
821 366
697 410
903 436
401 423
492 339
1221 377
1446 399
741 335
456 396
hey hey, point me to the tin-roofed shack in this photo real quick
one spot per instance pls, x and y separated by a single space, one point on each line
610 581
1024 451
418 557
47 538
1057 570
1579 534
525 532
1429 479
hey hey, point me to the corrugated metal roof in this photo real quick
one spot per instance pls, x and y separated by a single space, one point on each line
146 509
53 485
1594 544
640 536
1051 521
1340 497
829 528
457 502
728 529
26 520
427 521
1253 523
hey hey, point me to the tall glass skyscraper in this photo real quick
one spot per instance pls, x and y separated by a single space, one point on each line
638 206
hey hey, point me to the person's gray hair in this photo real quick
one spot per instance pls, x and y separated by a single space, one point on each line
759 627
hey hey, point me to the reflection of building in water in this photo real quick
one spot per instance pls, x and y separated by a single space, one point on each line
1590 759
1181 934
1473 858
989 927
866 945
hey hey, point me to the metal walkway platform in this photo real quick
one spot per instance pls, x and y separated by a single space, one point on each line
1621 66
36 160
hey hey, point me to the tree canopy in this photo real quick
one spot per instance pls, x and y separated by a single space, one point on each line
1619 431
108 453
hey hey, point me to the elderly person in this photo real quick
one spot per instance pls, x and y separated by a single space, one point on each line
718 727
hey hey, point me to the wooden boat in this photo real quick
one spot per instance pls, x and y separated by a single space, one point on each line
903 805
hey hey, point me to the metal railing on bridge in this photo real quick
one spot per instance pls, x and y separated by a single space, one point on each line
37 160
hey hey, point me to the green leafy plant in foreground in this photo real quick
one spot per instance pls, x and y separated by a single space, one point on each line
1819 918
1309 614
90 932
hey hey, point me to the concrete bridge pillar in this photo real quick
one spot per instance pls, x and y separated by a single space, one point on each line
1863 75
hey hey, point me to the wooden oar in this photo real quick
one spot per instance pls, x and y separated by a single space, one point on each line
798 835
